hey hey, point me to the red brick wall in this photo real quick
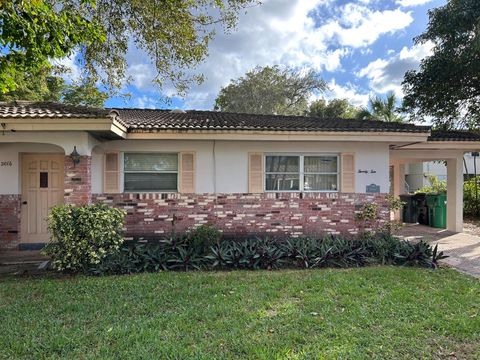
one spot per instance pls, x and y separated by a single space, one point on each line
9 220
292 214
78 181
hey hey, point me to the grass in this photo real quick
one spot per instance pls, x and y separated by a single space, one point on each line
375 312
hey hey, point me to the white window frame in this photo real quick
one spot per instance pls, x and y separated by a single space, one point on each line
123 171
301 172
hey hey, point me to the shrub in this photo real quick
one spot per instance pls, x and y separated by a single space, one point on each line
82 236
435 187
471 205
202 238
266 253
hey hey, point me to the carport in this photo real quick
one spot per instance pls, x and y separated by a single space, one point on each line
448 146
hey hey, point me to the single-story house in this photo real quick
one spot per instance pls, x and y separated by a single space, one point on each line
173 169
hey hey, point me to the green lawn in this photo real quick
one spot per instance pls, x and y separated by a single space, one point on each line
376 312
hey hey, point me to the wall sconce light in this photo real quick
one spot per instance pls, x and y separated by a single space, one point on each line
75 156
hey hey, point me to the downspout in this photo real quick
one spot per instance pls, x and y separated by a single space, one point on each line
214 156
466 169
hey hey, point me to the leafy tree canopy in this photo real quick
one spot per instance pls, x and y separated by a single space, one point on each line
34 31
270 90
173 33
336 108
382 109
447 85
46 84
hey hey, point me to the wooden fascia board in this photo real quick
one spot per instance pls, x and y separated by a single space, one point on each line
64 124
445 145
282 136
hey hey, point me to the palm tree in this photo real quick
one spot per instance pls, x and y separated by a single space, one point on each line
382 109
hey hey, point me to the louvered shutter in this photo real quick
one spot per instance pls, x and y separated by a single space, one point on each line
348 173
187 172
255 172
111 173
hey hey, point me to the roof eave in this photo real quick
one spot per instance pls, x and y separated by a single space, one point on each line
376 136
95 124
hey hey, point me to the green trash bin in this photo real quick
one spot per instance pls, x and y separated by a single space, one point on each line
437 210
441 211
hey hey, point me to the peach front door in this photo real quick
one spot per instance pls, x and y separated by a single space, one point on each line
42 188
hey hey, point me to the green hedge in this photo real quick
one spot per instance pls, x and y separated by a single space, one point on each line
471 204
82 236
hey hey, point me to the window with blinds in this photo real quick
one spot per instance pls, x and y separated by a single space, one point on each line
301 173
150 172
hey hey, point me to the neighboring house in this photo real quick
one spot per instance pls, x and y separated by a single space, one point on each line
416 174
246 174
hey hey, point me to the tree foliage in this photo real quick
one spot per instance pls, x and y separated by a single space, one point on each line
336 108
447 85
174 35
84 92
382 109
270 90
46 84
34 31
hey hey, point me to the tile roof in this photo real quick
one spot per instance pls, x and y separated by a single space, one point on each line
454 135
140 120
145 120
31 109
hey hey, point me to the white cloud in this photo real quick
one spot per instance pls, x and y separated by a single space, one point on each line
359 26
70 63
142 75
281 32
349 92
145 102
407 3
386 75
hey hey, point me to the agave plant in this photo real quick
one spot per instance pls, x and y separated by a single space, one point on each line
185 259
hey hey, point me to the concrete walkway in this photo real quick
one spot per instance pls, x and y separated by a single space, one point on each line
24 263
463 249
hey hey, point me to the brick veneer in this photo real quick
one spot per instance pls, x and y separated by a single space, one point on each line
293 214
9 221
78 181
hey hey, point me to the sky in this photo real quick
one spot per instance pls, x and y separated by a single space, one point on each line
360 47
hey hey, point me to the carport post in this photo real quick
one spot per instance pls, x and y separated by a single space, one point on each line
455 194
398 184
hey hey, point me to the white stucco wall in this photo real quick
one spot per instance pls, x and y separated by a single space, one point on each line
224 172
10 154
65 139
227 171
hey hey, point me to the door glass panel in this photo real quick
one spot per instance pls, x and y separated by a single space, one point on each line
44 179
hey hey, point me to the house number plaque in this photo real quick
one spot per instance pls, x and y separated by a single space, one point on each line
373 188
6 163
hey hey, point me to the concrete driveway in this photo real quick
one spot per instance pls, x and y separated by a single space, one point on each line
463 249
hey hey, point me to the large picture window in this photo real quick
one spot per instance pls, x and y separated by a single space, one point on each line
301 173
150 172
